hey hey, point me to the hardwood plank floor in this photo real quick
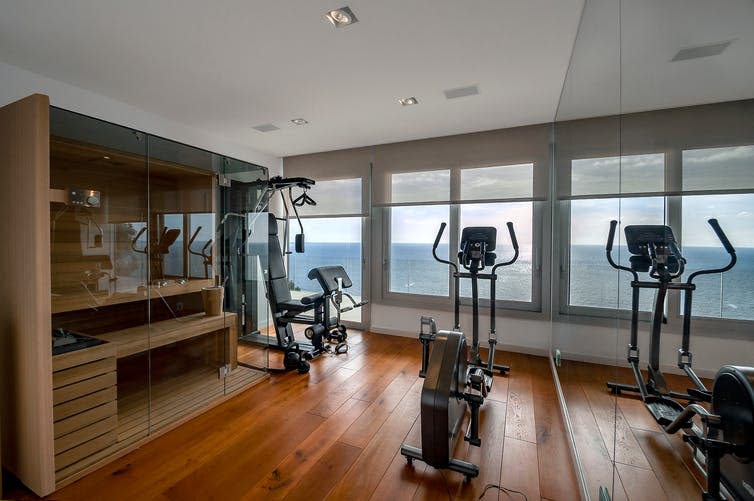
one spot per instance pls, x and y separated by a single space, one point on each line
648 463
336 434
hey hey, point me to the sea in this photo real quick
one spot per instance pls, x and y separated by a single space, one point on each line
591 280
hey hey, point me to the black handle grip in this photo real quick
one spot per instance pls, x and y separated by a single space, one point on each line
513 235
722 236
611 235
439 235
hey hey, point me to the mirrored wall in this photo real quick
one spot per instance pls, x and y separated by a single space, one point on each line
655 131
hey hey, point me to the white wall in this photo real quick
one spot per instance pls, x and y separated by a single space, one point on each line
576 341
525 336
17 83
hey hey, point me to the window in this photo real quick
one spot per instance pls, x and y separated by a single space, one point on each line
413 269
472 196
592 282
708 172
601 190
710 183
514 282
333 230
329 241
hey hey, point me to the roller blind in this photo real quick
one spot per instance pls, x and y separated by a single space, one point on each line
342 181
494 166
335 197
626 175
728 169
706 149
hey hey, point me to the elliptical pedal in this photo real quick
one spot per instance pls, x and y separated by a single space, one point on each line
665 410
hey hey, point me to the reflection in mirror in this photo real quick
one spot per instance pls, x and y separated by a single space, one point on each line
654 127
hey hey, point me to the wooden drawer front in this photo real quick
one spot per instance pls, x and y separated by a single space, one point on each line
85 406
79 405
83 388
78 421
84 450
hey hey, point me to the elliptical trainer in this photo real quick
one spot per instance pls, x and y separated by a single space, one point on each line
654 250
452 379
476 253
727 435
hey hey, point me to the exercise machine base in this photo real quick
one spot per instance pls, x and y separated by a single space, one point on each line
469 470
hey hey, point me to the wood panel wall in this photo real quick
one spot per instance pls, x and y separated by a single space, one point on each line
25 347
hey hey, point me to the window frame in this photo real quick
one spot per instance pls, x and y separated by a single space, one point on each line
673 197
365 254
382 215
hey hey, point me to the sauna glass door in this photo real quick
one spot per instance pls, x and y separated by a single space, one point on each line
99 220
189 332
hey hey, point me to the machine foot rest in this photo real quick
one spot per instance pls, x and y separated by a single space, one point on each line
664 410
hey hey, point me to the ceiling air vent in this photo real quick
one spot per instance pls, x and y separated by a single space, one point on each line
470 90
712 49
266 128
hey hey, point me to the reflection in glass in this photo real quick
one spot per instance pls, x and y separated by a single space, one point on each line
591 280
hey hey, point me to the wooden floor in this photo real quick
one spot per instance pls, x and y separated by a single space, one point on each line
648 464
336 433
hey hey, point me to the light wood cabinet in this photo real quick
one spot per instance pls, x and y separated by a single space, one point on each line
94 270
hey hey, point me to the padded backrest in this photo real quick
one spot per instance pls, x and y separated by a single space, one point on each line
278 290
327 277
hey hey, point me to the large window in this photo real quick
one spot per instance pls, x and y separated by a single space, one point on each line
704 184
461 197
592 282
514 282
333 236
329 241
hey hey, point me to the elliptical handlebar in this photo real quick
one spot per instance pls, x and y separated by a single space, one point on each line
609 251
514 242
728 248
721 236
434 248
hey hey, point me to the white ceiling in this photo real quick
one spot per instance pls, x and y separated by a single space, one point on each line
224 67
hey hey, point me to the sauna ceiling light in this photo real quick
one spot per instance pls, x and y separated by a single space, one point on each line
299 121
408 101
711 49
341 17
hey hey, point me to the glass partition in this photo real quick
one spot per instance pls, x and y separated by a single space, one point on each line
158 252
189 338
590 177
242 235
654 127
99 216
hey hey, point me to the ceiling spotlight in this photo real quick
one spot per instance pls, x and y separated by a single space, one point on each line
341 17
407 101
299 121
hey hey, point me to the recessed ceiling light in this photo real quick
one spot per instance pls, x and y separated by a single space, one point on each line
266 127
299 121
106 157
407 101
341 17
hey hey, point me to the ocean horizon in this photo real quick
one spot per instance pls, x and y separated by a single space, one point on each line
592 282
